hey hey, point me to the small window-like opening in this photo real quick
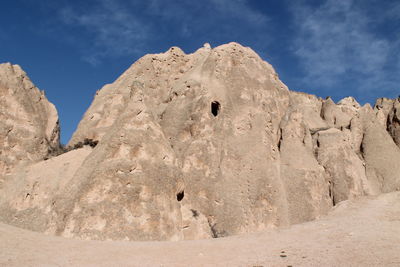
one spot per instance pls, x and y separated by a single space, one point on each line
215 107
180 195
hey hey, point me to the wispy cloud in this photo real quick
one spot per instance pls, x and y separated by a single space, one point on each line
393 10
112 28
119 27
213 17
335 43
240 9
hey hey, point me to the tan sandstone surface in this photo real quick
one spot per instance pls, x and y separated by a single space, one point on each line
28 121
202 145
362 232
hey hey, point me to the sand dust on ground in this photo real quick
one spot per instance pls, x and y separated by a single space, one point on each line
364 232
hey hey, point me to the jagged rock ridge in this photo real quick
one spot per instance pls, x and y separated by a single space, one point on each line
205 145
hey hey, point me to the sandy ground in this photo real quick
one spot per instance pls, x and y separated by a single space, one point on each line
365 232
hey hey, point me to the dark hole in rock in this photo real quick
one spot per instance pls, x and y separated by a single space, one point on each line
180 195
90 142
215 107
195 213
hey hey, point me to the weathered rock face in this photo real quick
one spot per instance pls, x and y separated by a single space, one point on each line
224 132
155 73
205 145
28 121
29 196
388 112
306 183
125 188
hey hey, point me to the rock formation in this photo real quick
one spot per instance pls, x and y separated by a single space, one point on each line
206 145
388 112
28 121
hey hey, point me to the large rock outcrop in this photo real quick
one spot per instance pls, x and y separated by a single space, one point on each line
205 145
28 121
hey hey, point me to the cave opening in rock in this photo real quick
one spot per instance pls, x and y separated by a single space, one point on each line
215 107
180 195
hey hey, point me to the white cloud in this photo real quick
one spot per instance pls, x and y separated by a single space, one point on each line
120 27
113 29
334 41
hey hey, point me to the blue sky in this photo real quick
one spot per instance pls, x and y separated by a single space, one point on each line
333 48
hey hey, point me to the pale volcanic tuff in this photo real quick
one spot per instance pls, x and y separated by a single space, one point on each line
190 146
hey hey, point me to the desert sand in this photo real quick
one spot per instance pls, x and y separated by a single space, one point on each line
362 232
